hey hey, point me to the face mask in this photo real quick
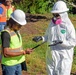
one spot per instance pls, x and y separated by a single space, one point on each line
56 21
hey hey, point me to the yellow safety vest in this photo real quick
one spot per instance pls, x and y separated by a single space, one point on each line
10 10
15 46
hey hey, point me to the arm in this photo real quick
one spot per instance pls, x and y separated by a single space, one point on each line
44 38
7 53
5 37
70 38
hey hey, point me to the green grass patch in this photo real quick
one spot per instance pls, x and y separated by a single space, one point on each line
36 63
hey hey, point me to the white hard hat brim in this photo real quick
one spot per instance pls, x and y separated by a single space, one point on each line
21 23
55 11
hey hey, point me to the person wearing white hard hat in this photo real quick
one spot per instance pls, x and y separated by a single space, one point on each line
60 36
12 52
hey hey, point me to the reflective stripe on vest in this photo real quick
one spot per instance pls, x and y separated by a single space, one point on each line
3 17
16 49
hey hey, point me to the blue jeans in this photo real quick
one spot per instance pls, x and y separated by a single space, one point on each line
11 70
1 27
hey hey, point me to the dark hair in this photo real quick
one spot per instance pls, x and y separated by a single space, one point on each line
2 1
11 22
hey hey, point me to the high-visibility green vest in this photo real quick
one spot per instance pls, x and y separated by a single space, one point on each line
10 10
15 46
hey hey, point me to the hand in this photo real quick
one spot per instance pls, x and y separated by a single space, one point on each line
37 38
56 42
28 51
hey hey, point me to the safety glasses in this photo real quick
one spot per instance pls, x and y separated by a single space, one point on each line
56 15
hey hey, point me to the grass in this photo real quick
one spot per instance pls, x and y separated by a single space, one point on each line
36 62
74 61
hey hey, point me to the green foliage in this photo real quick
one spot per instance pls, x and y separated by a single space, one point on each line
34 6
33 9
22 5
41 6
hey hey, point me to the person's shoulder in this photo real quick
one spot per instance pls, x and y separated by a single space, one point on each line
4 32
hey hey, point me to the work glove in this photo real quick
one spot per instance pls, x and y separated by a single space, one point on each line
58 42
37 38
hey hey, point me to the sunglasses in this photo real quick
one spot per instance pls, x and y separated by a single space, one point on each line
56 15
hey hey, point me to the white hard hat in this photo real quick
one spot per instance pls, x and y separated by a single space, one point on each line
19 17
59 7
